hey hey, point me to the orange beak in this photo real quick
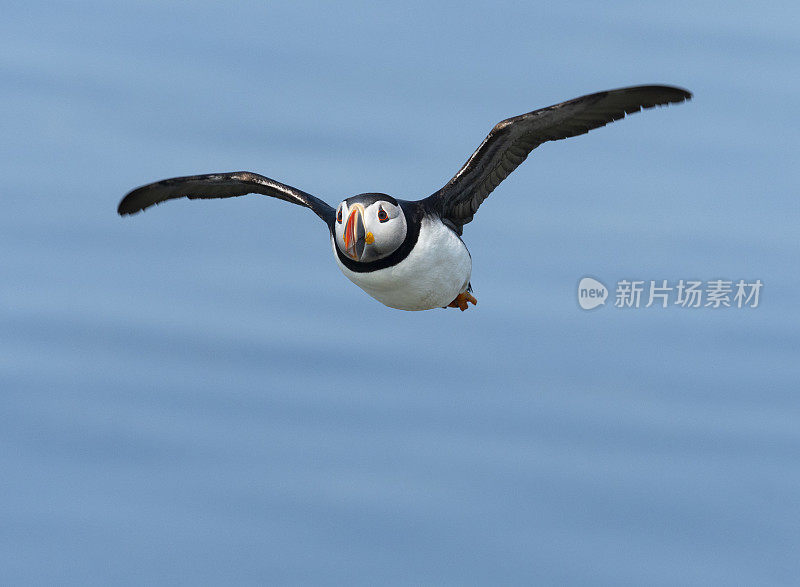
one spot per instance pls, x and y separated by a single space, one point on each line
354 233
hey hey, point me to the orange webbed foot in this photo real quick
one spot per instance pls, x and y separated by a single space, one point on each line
462 301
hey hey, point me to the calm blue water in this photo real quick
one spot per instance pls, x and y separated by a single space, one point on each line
196 395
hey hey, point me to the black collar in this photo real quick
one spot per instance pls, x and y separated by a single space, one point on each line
414 213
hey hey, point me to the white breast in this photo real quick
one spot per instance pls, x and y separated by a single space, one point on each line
436 270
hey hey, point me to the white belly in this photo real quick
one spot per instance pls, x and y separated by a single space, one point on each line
436 270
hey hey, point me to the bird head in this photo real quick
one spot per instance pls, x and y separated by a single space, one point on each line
369 227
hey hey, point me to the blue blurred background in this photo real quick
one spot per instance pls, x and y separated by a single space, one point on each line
197 395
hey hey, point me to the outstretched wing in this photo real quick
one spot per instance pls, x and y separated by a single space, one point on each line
510 142
220 185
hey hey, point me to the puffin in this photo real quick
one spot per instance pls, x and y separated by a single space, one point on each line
409 254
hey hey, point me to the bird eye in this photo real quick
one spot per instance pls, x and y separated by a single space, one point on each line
382 215
339 216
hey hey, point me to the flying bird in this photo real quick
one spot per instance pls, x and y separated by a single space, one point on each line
407 254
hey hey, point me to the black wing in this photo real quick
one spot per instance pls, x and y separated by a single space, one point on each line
221 185
510 142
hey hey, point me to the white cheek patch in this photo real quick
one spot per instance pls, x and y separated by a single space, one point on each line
389 236
338 227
